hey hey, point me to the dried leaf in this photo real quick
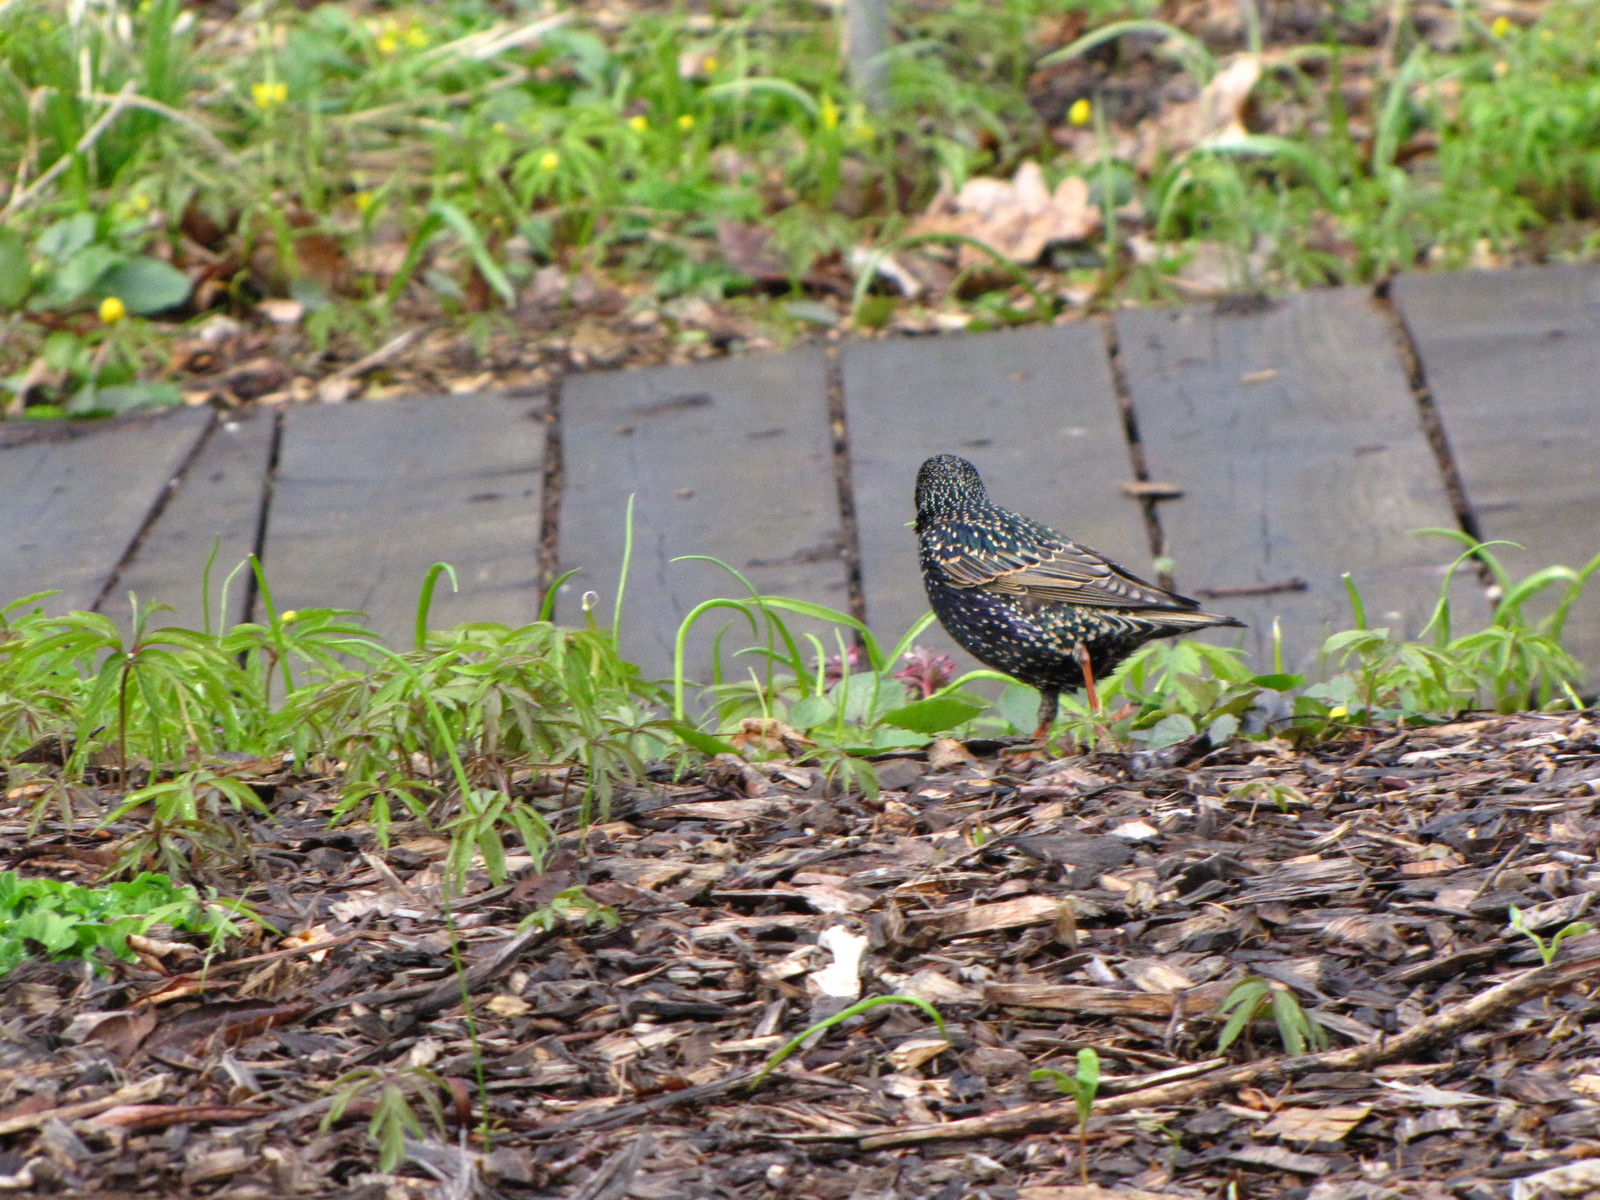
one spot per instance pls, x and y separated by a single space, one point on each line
1018 218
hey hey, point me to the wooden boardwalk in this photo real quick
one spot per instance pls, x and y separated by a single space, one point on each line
1306 438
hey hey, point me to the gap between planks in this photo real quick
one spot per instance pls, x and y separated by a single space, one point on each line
1432 423
157 507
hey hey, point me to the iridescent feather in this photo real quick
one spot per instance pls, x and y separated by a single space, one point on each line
1026 601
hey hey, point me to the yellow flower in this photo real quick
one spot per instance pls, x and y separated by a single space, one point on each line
1338 712
112 310
686 122
363 201
1500 68
638 123
288 615
864 132
1500 26
1080 112
549 160
708 63
415 37
268 94
388 44
498 127
829 114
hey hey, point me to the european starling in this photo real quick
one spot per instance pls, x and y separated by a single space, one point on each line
1025 600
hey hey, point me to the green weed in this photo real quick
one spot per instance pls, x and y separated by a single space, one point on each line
1547 950
1083 1086
1254 997
497 736
392 1092
845 1014
64 920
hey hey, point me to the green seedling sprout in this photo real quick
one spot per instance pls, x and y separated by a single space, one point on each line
1547 950
1254 997
1083 1087
855 1010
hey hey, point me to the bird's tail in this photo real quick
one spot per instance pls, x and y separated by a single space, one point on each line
1179 621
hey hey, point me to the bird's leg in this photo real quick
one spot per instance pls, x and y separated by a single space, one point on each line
1048 704
1081 653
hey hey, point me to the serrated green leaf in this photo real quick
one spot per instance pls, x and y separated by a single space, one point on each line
1169 731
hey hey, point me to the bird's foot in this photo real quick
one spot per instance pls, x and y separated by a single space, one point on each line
1039 749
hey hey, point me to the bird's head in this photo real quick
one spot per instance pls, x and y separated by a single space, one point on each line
945 484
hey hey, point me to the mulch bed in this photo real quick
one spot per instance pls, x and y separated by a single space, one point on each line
1107 901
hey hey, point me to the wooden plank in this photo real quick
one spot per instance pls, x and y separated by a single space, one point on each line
76 494
1512 358
217 504
1296 439
369 495
1033 409
731 459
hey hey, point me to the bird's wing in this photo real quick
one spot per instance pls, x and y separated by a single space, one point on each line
1050 568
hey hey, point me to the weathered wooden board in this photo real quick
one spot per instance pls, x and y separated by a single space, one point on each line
1513 360
218 504
74 496
369 495
1296 439
731 459
1033 409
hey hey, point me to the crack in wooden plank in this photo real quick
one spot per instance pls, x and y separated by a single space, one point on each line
269 487
554 478
157 507
1432 423
1148 500
849 530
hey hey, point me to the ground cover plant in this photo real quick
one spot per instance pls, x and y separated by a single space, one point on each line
208 202
494 883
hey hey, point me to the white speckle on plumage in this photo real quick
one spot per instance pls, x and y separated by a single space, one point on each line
1027 601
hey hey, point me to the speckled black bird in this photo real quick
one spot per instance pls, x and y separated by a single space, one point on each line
1027 601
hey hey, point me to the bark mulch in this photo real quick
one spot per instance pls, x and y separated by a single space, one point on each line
1107 901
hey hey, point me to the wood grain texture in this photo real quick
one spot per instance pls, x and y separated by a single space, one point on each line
218 504
1513 360
1297 441
1033 409
369 495
731 459
76 494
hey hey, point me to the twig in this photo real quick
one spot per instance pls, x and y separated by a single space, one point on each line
120 103
1254 589
1450 1022
256 960
627 1114
211 141
382 356
142 1092
450 990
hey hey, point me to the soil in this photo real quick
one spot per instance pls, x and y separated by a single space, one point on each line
1106 901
